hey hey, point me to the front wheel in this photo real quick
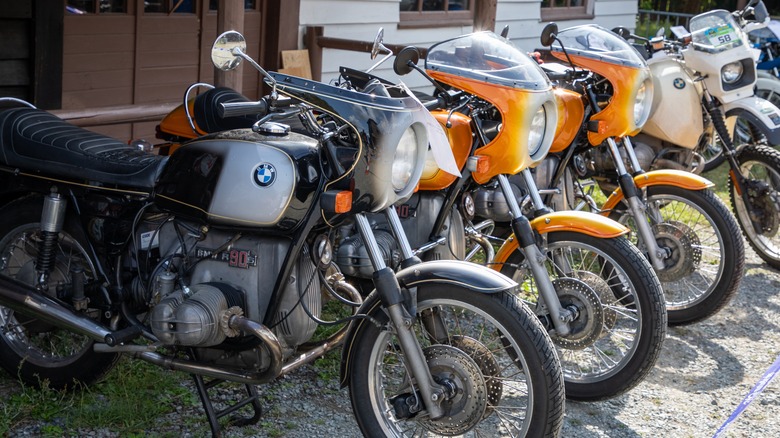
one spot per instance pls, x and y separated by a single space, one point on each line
758 212
705 254
618 306
490 350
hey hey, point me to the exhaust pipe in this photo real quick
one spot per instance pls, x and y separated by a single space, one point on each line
29 301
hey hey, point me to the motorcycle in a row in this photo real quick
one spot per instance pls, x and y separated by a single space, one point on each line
221 259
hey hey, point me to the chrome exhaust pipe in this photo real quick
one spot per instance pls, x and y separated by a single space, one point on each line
29 301
234 375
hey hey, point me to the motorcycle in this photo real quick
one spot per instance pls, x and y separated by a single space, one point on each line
709 75
215 261
767 41
585 253
687 233
585 281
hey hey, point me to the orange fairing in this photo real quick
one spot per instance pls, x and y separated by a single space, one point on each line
571 112
175 123
617 119
459 135
508 152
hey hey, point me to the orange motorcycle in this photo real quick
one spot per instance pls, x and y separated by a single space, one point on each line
588 284
686 232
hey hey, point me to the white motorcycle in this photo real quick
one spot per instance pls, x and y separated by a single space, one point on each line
703 81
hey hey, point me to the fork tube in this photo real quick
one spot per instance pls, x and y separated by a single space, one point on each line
389 291
629 148
400 236
532 189
637 208
535 258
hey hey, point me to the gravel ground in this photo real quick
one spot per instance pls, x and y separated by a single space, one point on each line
704 372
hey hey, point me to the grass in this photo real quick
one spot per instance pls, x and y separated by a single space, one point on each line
131 400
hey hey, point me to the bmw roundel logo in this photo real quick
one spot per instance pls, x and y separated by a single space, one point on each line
679 83
265 174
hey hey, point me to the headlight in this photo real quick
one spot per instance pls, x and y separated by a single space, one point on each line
731 73
642 102
536 133
404 159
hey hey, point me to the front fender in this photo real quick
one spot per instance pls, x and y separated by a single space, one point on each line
476 278
665 177
762 114
575 221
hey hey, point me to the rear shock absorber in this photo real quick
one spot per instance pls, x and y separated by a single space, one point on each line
52 218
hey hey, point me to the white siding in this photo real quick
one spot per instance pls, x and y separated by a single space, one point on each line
360 20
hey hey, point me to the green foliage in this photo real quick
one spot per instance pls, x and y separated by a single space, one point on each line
132 399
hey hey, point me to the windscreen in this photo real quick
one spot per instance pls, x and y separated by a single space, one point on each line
486 56
715 32
596 42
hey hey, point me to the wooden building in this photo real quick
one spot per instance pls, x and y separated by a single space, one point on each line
139 56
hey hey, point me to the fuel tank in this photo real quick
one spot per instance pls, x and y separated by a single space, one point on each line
242 178
676 116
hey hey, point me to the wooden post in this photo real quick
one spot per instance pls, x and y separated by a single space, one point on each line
230 16
485 15
49 28
280 28
311 41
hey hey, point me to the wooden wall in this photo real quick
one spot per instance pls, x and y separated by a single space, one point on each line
137 58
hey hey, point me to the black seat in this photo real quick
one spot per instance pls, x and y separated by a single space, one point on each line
34 140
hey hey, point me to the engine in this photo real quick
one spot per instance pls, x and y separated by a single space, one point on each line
418 216
200 278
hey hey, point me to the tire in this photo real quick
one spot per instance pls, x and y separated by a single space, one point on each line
621 311
761 165
707 259
39 353
490 331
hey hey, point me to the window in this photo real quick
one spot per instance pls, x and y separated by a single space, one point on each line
249 5
566 9
436 13
170 6
80 7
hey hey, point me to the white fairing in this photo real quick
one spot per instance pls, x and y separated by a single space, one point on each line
676 116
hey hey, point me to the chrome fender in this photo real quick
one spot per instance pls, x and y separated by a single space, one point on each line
759 112
476 278
669 177
576 221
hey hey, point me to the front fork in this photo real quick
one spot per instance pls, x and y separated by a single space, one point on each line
739 181
389 291
534 257
636 204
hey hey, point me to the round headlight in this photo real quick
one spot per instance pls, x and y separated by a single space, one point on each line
536 133
404 159
731 73
642 102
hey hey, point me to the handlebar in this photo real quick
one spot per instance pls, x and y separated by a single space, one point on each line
236 109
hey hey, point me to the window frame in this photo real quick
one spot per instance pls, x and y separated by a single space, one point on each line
552 12
445 18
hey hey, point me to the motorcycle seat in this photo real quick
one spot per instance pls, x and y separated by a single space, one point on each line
34 140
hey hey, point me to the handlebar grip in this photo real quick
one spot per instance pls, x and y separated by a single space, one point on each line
236 109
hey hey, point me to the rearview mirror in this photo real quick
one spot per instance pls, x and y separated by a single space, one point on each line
548 34
408 54
622 32
223 52
377 46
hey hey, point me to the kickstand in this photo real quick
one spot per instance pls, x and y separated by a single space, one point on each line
214 415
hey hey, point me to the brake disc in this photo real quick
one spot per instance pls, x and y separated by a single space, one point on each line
684 246
603 291
465 404
587 326
487 364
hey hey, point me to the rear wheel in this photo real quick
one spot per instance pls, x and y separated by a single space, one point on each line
759 215
37 352
620 318
489 349
706 256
